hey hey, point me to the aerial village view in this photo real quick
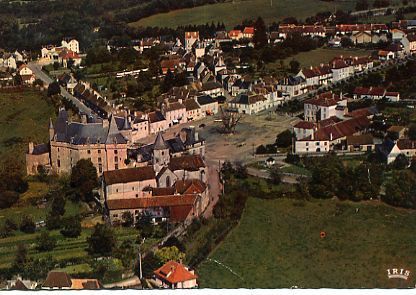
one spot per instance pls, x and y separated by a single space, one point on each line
150 144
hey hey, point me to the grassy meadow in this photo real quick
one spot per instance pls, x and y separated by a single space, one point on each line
24 117
234 12
277 244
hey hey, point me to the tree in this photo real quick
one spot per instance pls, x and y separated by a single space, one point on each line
27 225
260 34
145 226
166 254
412 131
54 89
20 259
284 139
401 190
102 241
275 175
292 159
44 242
346 42
127 253
84 179
8 198
294 66
401 162
128 219
10 224
71 227
227 170
240 170
58 205
229 121
53 221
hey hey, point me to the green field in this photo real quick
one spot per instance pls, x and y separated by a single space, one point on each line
277 245
24 117
322 55
234 12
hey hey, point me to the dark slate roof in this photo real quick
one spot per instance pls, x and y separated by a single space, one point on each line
40 149
205 99
122 123
386 147
81 133
160 143
57 279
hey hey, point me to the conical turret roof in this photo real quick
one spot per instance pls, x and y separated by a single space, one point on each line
160 143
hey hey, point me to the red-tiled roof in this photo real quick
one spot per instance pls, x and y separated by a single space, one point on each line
152 202
341 129
248 30
406 144
129 175
174 272
325 99
305 125
188 163
190 186
57 279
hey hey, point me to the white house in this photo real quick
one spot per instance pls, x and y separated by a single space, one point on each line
323 106
406 147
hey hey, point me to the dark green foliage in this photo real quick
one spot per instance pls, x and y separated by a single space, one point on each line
401 162
284 139
260 33
102 241
44 242
71 227
83 180
128 219
240 170
412 131
292 159
54 89
21 258
227 170
275 176
27 225
294 66
145 226
401 190
127 253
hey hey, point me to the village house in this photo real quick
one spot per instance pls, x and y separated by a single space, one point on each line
174 275
340 69
20 284
235 35
208 105
402 146
324 106
51 53
305 30
362 143
193 110
172 63
375 93
248 32
174 112
293 86
190 39
58 280
249 104
332 136
26 75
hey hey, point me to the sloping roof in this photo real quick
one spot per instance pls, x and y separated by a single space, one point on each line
160 143
305 125
85 284
156 116
406 144
152 202
325 99
363 139
205 99
188 163
190 186
40 149
129 175
57 279
340 130
19 285
174 272
191 104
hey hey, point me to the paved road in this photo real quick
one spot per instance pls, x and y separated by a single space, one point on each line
37 70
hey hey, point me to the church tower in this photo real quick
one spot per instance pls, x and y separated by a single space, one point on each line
161 156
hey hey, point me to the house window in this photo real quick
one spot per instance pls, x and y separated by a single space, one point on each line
99 160
99 151
115 215
59 163
317 143
137 195
116 166
100 168
115 152
307 144
115 159
88 152
132 188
